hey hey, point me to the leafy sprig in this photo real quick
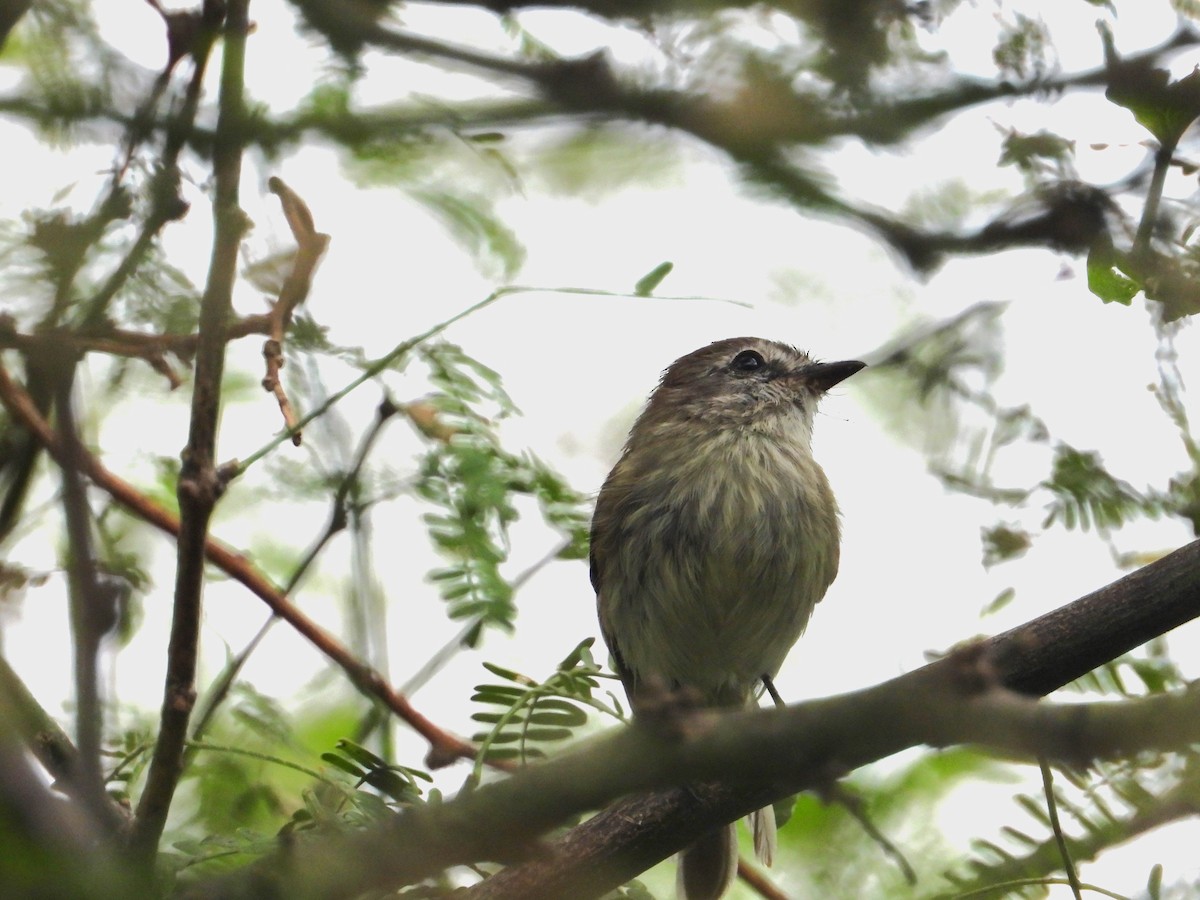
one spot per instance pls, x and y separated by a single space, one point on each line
473 482
399 783
525 713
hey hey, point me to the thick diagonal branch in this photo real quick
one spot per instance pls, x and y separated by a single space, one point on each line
778 751
1034 659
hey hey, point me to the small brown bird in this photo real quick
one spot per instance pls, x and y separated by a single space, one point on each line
714 536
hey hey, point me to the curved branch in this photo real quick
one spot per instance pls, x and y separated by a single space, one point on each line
1032 659
778 751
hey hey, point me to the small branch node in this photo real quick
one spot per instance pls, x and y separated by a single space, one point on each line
971 668
203 486
183 699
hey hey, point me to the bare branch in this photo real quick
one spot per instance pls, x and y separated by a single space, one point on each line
200 484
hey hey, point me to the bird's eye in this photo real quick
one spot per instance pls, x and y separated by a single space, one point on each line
747 361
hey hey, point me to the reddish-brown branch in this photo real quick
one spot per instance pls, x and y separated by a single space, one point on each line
444 747
757 881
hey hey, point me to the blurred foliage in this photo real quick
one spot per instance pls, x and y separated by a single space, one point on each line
902 804
475 483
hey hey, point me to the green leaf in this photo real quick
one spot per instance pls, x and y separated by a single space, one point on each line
572 719
1108 283
361 755
547 734
393 785
1164 108
647 283
497 693
1154 882
1002 543
1000 601
340 762
506 673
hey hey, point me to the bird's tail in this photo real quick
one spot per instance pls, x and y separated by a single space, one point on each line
766 838
707 868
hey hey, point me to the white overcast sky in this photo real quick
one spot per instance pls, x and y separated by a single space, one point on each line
578 367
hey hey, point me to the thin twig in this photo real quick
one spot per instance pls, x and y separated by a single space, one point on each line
756 880
93 611
854 806
152 348
1056 825
1017 884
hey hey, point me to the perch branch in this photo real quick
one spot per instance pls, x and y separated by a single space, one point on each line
779 751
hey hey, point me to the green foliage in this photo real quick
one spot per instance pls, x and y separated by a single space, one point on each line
71 69
901 805
946 204
159 296
1103 807
1108 282
596 161
401 784
495 247
526 715
998 602
1151 669
464 383
1098 811
126 761
1022 48
1085 495
218 852
308 336
467 479
1162 106
261 715
15 578
1039 155
770 94
1003 542
647 284
473 482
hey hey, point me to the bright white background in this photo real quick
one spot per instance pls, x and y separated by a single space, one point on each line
911 579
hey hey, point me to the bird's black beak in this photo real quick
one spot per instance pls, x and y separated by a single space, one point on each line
823 376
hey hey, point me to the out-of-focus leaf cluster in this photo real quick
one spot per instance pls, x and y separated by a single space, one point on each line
473 482
1084 495
1098 809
